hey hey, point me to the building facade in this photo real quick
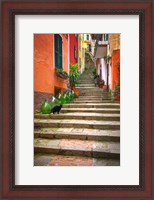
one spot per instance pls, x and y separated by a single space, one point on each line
107 56
81 52
115 59
101 52
50 53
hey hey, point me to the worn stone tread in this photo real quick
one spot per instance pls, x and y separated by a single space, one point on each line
80 115
101 149
82 134
108 125
92 101
92 105
89 96
62 160
91 110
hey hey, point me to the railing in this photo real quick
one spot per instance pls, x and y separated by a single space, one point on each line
103 42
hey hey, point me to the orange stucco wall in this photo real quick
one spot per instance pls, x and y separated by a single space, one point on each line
114 68
44 68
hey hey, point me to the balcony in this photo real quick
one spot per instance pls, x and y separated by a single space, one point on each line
103 42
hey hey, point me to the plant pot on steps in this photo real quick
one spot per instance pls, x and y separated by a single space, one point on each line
117 98
104 87
76 91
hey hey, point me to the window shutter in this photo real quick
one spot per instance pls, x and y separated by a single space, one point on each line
105 37
89 48
58 51
75 53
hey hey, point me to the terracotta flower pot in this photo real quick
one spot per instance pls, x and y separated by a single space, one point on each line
104 87
117 98
76 91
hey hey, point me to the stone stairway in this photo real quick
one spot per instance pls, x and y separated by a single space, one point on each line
85 133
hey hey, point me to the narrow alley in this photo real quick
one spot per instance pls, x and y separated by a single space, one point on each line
85 133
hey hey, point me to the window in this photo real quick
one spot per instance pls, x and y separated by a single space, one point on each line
89 47
80 62
80 43
75 52
87 37
82 51
58 51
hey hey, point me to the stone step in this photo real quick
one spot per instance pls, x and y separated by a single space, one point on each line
85 78
95 149
91 110
92 105
97 94
73 123
86 82
77 133
93 97
62 160
80 115
89 97
89 87
86 85
92 101
86 98
104 100
90 91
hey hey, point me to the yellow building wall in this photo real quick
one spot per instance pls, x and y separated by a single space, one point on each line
83 47
81 52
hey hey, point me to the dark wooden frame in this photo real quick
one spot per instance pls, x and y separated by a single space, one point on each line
11 8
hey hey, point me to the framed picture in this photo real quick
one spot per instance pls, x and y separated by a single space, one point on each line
87 137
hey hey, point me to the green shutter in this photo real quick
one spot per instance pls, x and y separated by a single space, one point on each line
58 51
106 37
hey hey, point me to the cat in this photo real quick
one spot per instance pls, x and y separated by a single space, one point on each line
56 109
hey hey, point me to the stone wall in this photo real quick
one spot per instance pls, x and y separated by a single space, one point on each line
39 97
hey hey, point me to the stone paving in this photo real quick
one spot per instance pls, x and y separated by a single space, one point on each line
96 149
85 133
61 160
80 115
95 110
74 133
105 125
91 105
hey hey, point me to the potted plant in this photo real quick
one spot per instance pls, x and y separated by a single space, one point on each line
61 73
117 92
74 77
117 87
46 107
94 72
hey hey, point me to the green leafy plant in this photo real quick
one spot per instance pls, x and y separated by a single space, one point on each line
117 90
93 70
117 87
74 74
61 73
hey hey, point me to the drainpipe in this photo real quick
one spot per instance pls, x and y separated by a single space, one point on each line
107 77
108 59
